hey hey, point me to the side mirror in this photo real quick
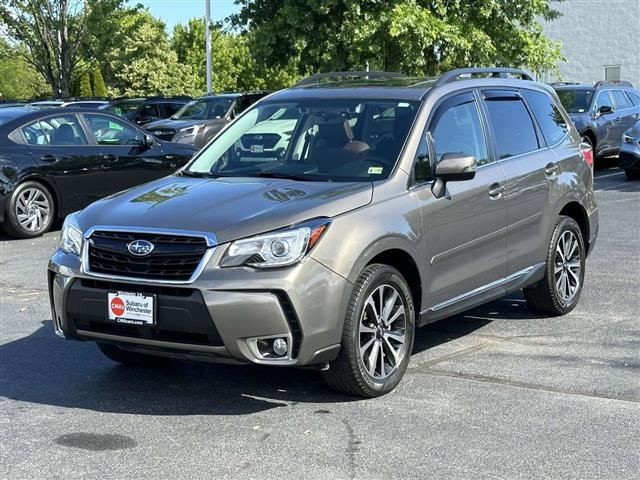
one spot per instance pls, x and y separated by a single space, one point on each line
148 141
604 109
453 167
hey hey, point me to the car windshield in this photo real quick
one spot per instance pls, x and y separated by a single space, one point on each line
575 101
315 140
124 109
204 109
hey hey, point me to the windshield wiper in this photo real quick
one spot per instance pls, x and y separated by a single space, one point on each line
290 176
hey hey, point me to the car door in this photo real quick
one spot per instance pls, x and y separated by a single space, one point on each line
465 231
532 170
606 126
627 113
129 157
64 155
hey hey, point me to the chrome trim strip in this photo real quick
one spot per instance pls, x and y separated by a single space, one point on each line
483 288
155 343
209 237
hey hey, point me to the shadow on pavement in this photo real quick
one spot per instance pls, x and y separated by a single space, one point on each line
41 368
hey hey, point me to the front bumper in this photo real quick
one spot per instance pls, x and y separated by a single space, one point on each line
218 317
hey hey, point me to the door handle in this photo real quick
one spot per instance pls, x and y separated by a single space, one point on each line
496 190
48 158
110 157
551 170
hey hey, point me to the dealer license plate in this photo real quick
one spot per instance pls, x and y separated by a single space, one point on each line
131 308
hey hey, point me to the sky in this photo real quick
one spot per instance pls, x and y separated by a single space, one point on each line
180 11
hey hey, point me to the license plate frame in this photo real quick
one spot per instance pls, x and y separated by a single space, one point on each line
132 308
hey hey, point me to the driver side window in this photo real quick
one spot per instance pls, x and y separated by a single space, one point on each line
458 129
110 131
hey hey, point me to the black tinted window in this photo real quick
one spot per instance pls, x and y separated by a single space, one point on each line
60 130
513 127
621 99
458 130
549 118
422 170
108 131
575 101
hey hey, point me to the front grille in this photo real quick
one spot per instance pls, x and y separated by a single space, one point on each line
174 257
166 135
266 140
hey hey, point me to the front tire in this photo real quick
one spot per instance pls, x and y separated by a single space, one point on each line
129 358
378 335
30 211
559 291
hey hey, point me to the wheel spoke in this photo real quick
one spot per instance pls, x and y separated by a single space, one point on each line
372 305
396 315
398 337
574 275
373 358
365 347
366 329
394 354
388 306
383 371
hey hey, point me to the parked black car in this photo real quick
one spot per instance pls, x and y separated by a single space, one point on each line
54 162
601 112
630 152
199 121
145 110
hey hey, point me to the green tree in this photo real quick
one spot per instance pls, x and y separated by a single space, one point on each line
414 36
233 65
97 83
137 58
84 87
52 32
18 79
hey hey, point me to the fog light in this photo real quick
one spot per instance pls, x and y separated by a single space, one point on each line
280 347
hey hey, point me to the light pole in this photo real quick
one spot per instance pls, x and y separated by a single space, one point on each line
207 41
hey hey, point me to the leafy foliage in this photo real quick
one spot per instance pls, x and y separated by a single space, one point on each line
18 79
84 88
97 83
414 36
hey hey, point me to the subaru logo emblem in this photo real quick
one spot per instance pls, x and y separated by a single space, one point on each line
140 248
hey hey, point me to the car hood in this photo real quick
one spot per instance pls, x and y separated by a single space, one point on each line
170 124
230 208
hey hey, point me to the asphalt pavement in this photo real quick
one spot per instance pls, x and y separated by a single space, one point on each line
497 392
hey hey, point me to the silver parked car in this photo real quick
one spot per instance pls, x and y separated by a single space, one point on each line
396 202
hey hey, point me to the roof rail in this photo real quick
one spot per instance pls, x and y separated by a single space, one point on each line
315 79
499 72
559 84
619 83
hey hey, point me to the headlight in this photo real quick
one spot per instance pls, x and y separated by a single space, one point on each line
71 236
190 131
277 249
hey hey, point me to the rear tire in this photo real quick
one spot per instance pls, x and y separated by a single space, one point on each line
559 291
632 174
129 358
378 334
30 211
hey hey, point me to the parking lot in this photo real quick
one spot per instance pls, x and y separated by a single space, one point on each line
497 392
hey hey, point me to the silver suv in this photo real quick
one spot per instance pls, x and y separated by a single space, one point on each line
397 202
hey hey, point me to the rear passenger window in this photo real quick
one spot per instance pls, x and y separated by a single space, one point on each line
458 130
621 99
512 125
549 118
635 98
60 130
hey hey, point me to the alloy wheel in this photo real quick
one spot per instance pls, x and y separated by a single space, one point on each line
567 266
382 332
33 209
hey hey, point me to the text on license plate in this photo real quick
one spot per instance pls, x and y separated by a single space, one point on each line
131 308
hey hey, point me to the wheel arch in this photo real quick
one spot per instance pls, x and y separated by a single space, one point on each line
576 211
